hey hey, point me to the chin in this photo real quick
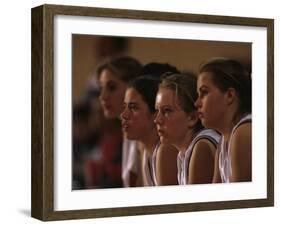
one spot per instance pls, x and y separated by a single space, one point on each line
205 123
129 136
209 125
163 140
109 115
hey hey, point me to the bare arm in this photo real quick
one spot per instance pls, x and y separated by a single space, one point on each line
201 165
166 165
241 154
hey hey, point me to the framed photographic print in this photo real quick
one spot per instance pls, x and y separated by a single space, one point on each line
76 151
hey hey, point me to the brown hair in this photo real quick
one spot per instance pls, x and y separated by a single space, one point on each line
184 86
229 73
125 67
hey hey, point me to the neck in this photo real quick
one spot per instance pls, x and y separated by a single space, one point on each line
229 123
150 141
112 125
185 141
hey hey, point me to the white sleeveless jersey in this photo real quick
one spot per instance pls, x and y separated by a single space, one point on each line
224 152
183 158
153 161
149 178
130 160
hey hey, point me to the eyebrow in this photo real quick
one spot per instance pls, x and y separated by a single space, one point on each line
107 83
131 103
169 106
111 82
165 106
202 87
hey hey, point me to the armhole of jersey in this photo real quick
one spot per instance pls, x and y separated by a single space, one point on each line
210 139
244 122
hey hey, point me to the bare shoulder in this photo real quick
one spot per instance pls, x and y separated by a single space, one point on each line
201 166
204 151
242 133
167 147
204 146
241 138
167 151
166 165
241 153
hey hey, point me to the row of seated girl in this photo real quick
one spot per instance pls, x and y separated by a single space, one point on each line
180 128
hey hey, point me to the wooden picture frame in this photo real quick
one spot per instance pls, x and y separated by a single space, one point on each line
42 205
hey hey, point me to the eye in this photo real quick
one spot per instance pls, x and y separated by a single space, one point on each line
203 93
133 107
156 112
167 111
111 87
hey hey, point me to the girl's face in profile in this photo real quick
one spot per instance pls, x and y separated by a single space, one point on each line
171 120
137 120
112 91
211 102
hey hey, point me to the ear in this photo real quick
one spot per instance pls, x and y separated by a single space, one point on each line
230 95
192 119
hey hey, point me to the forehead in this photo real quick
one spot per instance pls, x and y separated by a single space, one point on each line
107 75
205 78
132 95
165 96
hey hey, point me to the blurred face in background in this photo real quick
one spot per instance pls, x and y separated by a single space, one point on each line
112 91
137 120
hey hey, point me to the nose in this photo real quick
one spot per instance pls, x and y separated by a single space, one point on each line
198 103
158 118
103 94
125 114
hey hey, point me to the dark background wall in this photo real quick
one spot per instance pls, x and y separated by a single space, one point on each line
184 54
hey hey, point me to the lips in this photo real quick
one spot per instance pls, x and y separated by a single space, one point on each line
107 106
200 115
160 132
125 126
162 136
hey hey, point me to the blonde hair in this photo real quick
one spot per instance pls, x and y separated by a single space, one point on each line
184 86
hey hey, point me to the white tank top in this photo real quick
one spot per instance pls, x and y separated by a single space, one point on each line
184 157
224 152
130 160
149 178
153 161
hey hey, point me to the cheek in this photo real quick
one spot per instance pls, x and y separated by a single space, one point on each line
175 126
210 103
146 121
119 96
118 100
214 110
141 126
137 120
207 102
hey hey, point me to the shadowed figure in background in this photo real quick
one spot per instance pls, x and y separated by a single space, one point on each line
85 139
112 75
